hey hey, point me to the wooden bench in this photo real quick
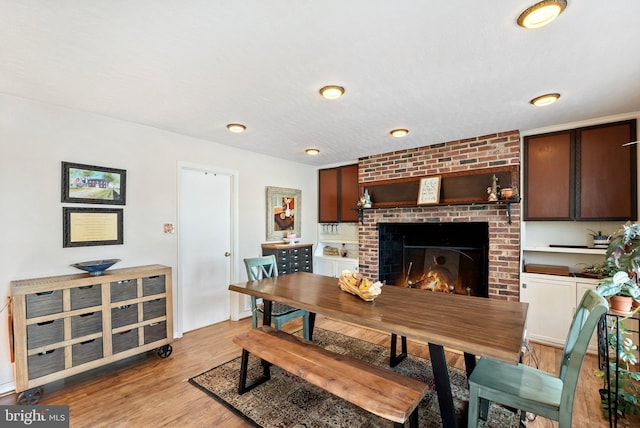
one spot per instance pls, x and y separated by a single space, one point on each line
375 389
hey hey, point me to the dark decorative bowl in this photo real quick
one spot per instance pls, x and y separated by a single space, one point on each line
96 267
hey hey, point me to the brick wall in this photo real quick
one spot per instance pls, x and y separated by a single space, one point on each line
463 155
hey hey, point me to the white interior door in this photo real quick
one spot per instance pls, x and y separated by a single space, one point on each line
205 245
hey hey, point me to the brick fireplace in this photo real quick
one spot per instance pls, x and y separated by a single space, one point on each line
455 156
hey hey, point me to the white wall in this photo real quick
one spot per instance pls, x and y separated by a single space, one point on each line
35 139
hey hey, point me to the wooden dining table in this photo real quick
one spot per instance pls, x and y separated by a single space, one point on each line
476 326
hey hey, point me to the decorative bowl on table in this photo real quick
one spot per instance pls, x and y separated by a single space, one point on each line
358 285
96 267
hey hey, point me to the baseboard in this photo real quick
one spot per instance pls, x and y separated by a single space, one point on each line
7 388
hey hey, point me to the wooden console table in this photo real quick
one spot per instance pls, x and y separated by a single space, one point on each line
65 325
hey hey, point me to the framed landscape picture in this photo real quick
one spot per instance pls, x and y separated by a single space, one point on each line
283 212
90 184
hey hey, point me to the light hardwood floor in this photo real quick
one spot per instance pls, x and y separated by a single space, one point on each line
147 391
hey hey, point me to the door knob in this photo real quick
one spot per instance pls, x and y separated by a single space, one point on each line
227 254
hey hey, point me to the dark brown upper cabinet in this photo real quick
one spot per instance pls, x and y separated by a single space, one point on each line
582 174
338 194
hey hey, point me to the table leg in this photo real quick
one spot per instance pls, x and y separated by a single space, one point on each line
443 386
312 323
469 363
266 312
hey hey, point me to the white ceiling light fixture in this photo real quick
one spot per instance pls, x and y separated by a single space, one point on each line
545 100
399 133
312 151
331 92
541 13
236 128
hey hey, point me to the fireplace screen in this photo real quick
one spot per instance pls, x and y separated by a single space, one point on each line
447 270
441 257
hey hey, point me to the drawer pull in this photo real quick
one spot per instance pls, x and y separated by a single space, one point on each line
46 322
124 281
50 351
87 341
154 277
87 315
123 307
85 287
44 293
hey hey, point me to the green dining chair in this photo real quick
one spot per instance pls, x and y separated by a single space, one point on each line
266 267
535 391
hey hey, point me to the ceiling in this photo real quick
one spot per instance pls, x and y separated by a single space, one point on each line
442 70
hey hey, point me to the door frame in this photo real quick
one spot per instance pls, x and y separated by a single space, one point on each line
233 203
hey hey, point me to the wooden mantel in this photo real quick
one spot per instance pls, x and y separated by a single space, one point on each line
456 188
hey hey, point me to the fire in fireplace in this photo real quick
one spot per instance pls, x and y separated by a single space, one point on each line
442 257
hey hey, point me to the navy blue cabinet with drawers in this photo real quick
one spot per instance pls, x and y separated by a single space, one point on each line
291 258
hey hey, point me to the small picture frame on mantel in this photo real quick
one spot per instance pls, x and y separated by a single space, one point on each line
429 192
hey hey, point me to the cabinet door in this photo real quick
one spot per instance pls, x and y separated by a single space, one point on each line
606 185
551 308
548 177
350 265
349 193
324 266
328 195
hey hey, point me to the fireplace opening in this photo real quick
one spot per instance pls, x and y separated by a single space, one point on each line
441 257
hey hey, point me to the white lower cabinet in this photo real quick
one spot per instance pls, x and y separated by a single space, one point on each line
333 266
552 304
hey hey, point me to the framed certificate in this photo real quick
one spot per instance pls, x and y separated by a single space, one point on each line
84 227
429 192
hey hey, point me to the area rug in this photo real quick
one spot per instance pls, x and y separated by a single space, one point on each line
288 401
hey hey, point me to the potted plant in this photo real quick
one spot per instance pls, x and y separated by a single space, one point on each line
599 240
623 262
622 267
595 270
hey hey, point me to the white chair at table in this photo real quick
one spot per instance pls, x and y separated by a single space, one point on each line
266 267
532 390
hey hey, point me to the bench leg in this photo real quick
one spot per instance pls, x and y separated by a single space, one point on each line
413 419
244 363
394 359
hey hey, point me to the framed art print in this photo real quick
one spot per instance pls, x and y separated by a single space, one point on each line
89 184
429 192
283 212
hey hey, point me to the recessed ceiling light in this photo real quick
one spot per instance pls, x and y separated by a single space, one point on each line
236 127
541 14
332 92
399 133
312 151
545 100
